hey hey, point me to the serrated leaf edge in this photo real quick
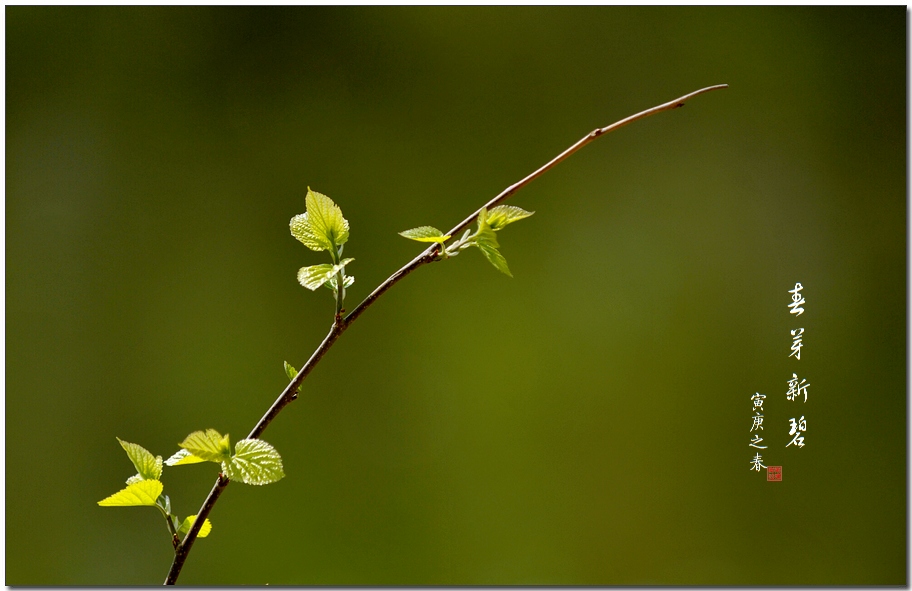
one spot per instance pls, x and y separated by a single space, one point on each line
238 467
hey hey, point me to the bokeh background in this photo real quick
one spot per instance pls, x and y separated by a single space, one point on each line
586 422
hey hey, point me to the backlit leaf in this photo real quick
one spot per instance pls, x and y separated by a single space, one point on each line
148 466
183 457
188 523
487 237
208 445
331 284
502 215
425 234
326 219
290 371
316 275
486 241
495 258
254 462
302 229
135 495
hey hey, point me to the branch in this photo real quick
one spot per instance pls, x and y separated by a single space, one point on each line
592 135
183 549
341 324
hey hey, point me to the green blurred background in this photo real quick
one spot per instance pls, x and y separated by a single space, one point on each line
586 422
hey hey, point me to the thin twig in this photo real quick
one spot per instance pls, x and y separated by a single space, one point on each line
592 135
341 324
183 549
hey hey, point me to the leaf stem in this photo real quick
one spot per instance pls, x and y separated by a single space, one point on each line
340 324
175 539
339 292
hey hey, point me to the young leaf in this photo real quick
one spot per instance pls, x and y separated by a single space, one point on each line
331 284
316 275
136 495
302 229
487 237
188 523
254 462
486 241
183 457
494 257
502 215
148 466
482 216
425 234
208 445
164 501
290 371
326 219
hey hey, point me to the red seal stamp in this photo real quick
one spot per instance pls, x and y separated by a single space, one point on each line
774 473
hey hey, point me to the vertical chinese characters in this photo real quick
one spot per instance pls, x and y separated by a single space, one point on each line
757 425
797 388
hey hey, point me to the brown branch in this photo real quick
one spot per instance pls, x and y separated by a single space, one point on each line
183 549
341 324
592 135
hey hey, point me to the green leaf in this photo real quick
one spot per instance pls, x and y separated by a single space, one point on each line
183 457
290 371
302 229
326 219
254 462
486 237
164 501
208 445
188 523
502 215
495 258
148 466
482 217
136 495
486 241
331 284
425 234
316 275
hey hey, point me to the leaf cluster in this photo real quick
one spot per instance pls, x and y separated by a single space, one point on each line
253 462
484 238
323 227
145 489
